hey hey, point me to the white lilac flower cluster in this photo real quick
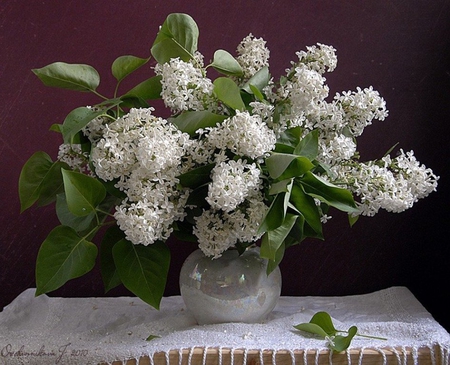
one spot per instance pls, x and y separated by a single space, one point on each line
393 184
184 85
145 155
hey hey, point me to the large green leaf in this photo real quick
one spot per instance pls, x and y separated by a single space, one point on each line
306 205
67 218
125 65
83 193
259 80
191 121
76 120
273 264
274 217
110 276
63 256
308 146
143 269
40 180
288 140
229 93
341 343
177 37
272 240
149 89
328 193
196 177
77 77
311 328
226 64
284 166
83 225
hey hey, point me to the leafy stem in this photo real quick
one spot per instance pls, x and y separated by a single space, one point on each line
322 325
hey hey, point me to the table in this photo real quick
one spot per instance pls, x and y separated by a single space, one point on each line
45 330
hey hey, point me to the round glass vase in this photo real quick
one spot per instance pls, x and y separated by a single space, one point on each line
231 288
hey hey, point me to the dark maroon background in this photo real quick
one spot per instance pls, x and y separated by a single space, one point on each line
399 47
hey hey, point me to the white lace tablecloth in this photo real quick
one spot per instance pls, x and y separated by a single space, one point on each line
43 330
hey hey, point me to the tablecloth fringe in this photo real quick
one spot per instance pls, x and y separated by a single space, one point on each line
438 355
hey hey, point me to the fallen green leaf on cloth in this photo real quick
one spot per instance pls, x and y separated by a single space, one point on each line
322 325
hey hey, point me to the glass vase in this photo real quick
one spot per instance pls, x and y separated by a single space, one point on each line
231 288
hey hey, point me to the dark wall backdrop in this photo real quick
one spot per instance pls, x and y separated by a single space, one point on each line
401 47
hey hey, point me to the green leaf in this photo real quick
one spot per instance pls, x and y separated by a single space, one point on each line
83 225
257 93
110 276
149 89
352 219
191 121
306 205
226 64
196 177
283 166
341 343
272 264
152 337
63 256
282 186
125 65
311 328
323 319
228 92
76 120
290 138
328 193
274 217
308 146
83 193
143 269
177 37
273 240
67 218
52 184
40 180
259 80
76 77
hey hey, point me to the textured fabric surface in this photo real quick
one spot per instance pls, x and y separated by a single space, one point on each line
43 330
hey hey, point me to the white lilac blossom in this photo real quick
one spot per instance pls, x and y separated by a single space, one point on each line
74 157
232 182
390 184
253 55
361 108
217 231
244 135
335 149
320 58
138 139
184 86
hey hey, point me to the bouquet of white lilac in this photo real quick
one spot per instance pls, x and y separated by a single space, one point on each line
243 158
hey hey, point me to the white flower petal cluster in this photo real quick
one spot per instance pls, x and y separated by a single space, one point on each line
253 55
217 231
390 184
361 108
232 182
336 149
184 87
144 153
138 139
74 157
320 58
244 135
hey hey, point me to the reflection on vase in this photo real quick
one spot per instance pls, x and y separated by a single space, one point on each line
231 288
